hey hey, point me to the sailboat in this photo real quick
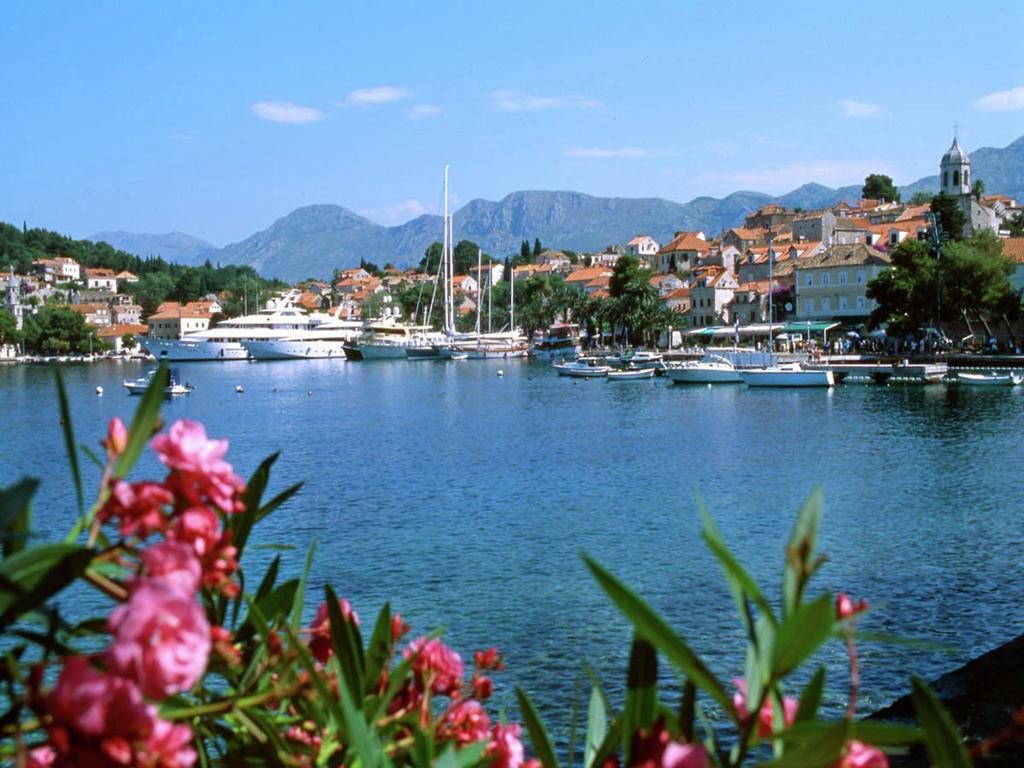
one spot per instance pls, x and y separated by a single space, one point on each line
789 374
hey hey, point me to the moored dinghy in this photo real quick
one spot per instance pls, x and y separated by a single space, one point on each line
631 374
990 379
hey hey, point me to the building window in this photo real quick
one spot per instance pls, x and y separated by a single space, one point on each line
956 178
810 280
860 275
825 279
861 301
808 305
842 278
842 302
967 174
945 178
826 305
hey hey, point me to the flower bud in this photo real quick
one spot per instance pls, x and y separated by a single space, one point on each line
845 607
117 437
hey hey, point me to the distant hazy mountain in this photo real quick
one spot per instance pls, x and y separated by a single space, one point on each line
173 246
316 239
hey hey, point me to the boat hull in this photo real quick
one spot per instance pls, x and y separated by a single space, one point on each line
781 377
641 375
982 380
181 350
699 375
550 354
280 349
377 351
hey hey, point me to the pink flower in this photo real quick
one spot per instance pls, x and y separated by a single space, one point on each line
320 644
172 563
169 745
41 757
161 639
138 506
766 717
465 722
95 703
845 607
199 527
685 756
861 755
117 437
436 665
483 687
199 463
505 749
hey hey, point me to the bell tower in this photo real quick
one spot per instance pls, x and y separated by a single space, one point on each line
955 171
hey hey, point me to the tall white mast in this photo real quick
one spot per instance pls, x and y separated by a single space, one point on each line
479 280
444 259
512 304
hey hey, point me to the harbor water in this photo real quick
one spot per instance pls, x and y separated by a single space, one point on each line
465 498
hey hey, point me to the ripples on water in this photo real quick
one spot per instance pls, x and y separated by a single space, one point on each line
465 499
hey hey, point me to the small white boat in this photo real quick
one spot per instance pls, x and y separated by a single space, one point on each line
583 368
712 369
989 379
174 385
641 357
786 376
631 374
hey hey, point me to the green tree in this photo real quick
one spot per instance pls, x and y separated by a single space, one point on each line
58 330
951 215
1016 225
878 186
921 197
537 249
9 333
524 251
128 342
978 189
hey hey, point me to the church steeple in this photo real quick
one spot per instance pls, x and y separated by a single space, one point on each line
955 171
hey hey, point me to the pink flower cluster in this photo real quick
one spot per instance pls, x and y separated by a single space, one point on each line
766 715
184 507
160 646
657 749
103 709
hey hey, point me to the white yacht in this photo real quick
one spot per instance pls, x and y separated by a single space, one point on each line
386 339
711 369
225 341
325 337
787 375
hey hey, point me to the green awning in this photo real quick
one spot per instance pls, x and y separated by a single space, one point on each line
809 327
702 331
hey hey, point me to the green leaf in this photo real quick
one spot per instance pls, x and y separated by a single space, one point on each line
597 727
269 578
37 574
357 732
69 440
471 754
801 634
596 681
609 746
885 734
818 750
347 644
422 749
278 500
16 514
241 524
144 423
296 618
687 709
539 737
654 629
377 651
800 560
327 699
641 689
741 584
941 736
273 607
810 700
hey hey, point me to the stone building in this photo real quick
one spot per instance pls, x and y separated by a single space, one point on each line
955 180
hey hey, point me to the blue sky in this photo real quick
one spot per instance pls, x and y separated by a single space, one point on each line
218 118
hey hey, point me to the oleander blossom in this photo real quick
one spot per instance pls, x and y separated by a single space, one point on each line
200 472
169 745
161 639
505 749
320 644
465 723
678 755
173 564
117 438
766 716
846 608
857 754
95 703
138 507
435 665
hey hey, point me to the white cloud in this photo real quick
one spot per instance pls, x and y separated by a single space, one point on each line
517 101
1002 101
381 94
833 173
421 111
286 112
602 153
859 109
399 213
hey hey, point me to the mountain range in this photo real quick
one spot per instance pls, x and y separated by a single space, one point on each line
314 240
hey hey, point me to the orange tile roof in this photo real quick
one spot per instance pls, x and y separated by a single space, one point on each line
99 272
759 286
86 309
678 293
686 241
122 328
587 274
1013 247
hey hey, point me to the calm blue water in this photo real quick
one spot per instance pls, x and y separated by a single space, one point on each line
465 498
